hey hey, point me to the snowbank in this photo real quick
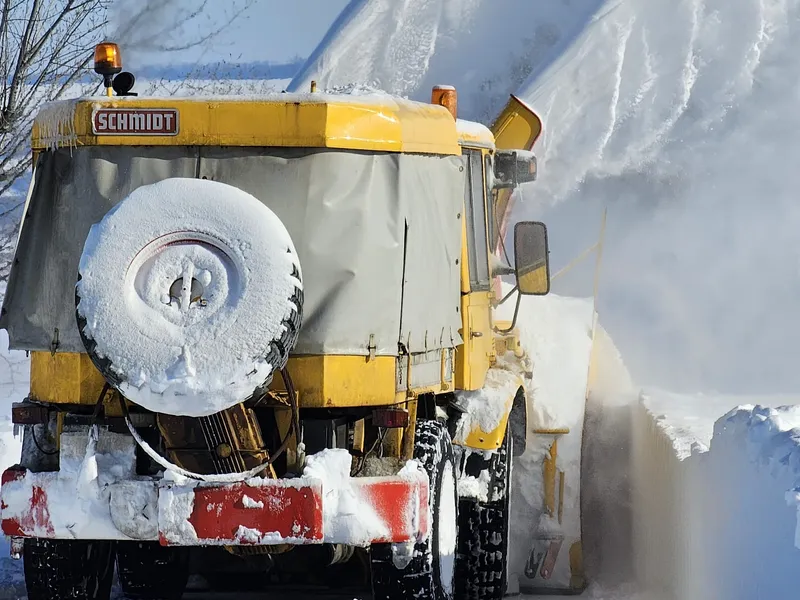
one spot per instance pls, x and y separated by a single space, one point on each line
714 512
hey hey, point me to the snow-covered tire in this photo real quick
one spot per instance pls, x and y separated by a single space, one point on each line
483 533
189 296
149 571
75 569
431 570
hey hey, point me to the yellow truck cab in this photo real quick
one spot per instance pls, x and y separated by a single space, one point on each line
261 336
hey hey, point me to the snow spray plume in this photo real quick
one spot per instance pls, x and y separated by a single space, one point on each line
682 120
157 26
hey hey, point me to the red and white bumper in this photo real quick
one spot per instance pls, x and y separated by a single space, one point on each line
357 511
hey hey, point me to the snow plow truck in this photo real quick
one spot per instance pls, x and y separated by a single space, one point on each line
262 342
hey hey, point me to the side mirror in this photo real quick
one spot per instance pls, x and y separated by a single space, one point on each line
514 167
532 258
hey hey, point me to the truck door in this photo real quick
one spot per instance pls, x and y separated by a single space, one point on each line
473 358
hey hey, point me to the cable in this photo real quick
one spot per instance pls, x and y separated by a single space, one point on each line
223 477
378 440
99 403
38 447
211 478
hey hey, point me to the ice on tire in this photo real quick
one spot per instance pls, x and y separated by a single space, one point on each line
189 296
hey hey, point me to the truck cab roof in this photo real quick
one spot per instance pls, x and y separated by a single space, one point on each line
368 122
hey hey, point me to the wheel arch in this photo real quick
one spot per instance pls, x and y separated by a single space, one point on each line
470 435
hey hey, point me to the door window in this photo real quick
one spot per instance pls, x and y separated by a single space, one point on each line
475 204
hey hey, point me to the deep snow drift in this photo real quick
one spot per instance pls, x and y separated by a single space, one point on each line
677 114
715 513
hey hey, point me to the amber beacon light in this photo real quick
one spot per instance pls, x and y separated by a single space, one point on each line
107 62
446 95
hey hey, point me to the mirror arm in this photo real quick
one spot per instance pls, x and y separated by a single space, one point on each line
508 295
516 313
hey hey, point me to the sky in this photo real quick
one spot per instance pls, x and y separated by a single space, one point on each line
270 30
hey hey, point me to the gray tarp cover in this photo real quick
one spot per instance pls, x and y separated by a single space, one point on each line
355 218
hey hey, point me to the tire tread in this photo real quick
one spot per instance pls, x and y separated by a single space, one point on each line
483 536
432 446
68 569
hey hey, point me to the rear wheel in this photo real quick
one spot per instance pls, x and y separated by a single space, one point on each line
74 569
483 532
149 571
430 570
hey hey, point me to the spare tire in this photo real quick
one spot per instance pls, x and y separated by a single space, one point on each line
189 296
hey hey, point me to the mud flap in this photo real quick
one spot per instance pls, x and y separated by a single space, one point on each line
543 557
554 566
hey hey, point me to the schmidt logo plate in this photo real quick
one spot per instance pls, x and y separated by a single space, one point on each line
136 121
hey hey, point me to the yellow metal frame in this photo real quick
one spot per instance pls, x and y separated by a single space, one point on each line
287 120
517 126
64 378
323 381
478 439
327 381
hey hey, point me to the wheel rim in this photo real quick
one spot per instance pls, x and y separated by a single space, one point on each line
447 528
157 277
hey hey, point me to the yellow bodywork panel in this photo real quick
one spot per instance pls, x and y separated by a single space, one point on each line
489 440
64 378
326 381
320 381
338 381
516 127
476 354
481 440
309 120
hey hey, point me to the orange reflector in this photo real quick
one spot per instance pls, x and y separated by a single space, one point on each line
446 95
107 59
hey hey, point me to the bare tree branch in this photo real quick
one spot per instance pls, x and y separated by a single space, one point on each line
46 49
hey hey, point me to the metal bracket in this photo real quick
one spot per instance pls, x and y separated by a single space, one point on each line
55 343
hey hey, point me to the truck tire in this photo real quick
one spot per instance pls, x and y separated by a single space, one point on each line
431 570
75 569
189 296
149 571
483 533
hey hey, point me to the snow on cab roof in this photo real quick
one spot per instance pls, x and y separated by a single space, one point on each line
355 118
471 133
